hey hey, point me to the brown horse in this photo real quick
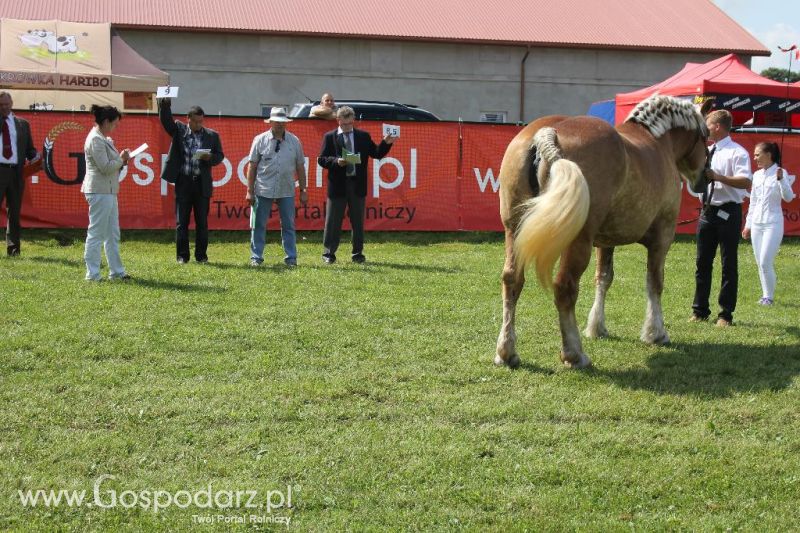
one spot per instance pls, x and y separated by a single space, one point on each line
601 187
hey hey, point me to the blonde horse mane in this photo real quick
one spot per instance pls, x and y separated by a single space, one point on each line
660 114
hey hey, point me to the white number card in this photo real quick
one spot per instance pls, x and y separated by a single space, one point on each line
391 129
167 92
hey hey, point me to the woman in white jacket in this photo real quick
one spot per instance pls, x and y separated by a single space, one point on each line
764 223
100 186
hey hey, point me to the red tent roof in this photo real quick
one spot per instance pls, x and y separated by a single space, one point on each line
734 87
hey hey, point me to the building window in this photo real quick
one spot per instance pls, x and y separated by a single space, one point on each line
494 116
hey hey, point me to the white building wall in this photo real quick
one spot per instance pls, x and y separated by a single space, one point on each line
235 74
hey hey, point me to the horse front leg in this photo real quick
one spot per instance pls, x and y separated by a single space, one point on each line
604 276
513 280
653 330
573 263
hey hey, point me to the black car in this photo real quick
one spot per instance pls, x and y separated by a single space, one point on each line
369 110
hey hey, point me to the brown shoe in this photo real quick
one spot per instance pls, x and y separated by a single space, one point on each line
696 318
724 323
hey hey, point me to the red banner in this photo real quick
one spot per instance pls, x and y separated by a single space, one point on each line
437 177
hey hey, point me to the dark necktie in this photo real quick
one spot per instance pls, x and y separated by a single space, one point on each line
351 169
709 192
7 151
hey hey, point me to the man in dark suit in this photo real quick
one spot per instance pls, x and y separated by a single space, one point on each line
194 150
17 146
347 183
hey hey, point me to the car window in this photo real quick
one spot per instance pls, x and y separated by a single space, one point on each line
373 113
369 111
408 116
298 110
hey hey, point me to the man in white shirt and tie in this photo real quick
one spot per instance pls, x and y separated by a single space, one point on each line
17 146
721 221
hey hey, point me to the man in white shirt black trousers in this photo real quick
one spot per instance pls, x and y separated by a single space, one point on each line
721 220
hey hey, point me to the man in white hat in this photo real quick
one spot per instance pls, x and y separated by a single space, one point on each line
275 158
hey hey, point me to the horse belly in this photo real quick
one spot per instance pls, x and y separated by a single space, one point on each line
624 226
611 239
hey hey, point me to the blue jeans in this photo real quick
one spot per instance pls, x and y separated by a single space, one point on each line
258 234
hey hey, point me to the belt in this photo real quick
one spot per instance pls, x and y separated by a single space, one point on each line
722 206
8 165
728 207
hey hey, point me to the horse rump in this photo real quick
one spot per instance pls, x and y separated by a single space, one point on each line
551 221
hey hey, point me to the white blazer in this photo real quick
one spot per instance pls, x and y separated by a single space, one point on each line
102 164
766 196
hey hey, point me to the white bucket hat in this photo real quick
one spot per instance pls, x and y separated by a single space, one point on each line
278 114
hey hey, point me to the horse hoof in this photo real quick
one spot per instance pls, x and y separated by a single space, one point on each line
659 339
576 362
513 361
599 333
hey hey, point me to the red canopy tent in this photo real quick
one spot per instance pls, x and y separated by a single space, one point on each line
750 98
731 84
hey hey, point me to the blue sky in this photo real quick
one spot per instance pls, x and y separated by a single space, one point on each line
773 22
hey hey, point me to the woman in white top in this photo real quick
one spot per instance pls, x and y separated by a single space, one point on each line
100 186
764 223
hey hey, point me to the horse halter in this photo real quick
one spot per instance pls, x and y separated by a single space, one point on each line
701 184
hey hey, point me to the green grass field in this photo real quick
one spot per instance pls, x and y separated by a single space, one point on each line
368 393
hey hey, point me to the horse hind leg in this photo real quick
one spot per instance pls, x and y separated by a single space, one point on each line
513 281
573 263
653 330
604 276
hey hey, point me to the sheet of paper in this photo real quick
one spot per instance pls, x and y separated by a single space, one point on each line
350 157
167 92
201 151
139 150
391 129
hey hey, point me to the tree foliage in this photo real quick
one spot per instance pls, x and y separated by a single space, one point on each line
781 74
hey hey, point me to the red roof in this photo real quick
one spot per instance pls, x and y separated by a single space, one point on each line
670 25
723 76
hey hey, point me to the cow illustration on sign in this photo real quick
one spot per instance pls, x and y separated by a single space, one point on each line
54 45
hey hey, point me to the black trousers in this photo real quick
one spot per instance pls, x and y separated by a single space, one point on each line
334 214
714 230
11 188
184 205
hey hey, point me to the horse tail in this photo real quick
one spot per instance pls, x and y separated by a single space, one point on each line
551 221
